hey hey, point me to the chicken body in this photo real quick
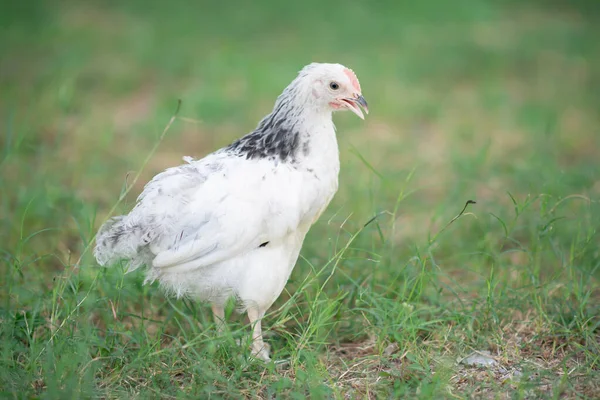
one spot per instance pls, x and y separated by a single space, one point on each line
232 224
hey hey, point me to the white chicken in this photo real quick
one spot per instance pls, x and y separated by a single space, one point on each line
232 223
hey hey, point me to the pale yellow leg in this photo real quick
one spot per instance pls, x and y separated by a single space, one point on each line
219 317
259 348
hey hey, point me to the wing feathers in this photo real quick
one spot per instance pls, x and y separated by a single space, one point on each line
210 210
192 251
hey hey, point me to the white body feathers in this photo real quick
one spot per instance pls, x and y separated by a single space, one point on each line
199 227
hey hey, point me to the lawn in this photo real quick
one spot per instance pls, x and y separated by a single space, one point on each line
494 101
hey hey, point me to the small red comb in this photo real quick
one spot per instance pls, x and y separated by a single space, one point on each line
353 79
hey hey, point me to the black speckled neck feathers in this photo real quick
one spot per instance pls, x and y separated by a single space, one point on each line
279 136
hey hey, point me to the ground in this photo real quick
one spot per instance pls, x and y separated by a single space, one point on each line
491 101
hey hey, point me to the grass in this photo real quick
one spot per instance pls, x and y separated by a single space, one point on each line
492 101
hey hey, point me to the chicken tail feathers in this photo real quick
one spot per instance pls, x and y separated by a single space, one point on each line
118 240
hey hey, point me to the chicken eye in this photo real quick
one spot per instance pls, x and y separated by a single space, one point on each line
334 86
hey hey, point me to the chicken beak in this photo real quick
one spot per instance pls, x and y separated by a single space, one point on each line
363 103
353 104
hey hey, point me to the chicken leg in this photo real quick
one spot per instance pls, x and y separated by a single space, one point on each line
218 311
259 348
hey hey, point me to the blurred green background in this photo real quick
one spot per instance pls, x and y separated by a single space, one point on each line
493 101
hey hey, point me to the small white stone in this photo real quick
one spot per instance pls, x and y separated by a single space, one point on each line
479 359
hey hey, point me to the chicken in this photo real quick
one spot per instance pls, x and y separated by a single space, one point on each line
232 223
